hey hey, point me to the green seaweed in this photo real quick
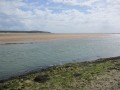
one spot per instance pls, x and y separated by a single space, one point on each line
71 76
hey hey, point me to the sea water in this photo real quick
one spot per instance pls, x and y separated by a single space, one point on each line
16 59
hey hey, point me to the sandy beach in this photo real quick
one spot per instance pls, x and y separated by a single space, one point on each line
16 37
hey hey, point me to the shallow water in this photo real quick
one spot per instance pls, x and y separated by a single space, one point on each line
15 59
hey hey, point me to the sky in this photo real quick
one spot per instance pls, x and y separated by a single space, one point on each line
61 16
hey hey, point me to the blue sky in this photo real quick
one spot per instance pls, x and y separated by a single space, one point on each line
61 16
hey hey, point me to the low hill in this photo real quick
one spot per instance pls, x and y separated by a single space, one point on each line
24 32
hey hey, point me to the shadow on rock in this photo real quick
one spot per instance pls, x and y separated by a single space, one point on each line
41 78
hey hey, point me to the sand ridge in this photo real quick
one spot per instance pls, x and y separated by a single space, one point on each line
13 37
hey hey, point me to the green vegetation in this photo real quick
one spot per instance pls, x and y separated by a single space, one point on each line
71 76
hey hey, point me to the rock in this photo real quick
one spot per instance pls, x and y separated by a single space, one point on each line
41 78
76 74
67 66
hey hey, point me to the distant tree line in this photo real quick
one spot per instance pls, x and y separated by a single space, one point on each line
24 32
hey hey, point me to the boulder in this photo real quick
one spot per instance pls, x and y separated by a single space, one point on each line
41 78
76 74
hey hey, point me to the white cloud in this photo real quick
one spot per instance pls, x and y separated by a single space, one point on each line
99 18
77 2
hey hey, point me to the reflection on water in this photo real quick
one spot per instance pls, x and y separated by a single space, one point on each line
19 58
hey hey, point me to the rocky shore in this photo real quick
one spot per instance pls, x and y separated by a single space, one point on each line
101 74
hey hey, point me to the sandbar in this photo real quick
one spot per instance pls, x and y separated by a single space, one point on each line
21 37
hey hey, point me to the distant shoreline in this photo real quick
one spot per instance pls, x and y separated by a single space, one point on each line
24 32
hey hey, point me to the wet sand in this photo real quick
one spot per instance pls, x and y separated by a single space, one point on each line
21 37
